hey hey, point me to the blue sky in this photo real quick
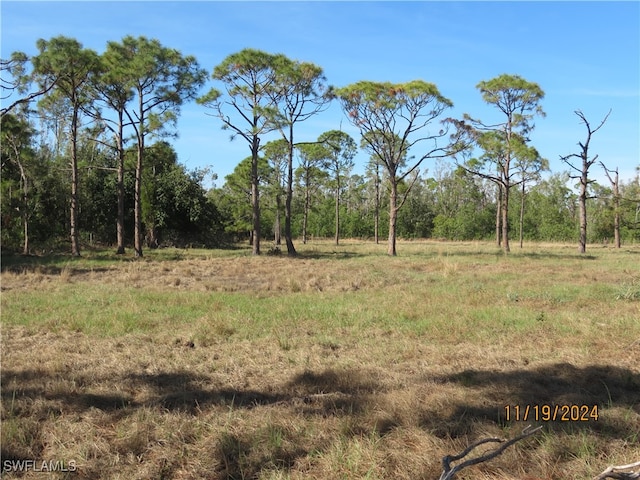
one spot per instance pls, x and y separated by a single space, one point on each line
584 55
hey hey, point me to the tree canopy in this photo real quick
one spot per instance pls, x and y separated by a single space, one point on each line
392 118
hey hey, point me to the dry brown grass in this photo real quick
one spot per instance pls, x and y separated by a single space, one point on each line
330 366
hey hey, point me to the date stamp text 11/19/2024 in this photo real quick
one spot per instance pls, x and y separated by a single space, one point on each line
551 413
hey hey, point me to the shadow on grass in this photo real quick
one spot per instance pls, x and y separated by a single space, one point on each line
349 394
55 263
186 392
245 456
41 395
515 253
558 256
594 388
330 392
336 392
328 255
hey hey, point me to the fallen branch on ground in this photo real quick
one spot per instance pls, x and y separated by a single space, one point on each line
448 472
617 473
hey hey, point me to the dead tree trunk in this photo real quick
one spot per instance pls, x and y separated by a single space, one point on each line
583 175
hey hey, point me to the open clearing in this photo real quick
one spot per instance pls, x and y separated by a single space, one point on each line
342 363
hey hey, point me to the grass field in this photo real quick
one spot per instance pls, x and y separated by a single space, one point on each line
342 363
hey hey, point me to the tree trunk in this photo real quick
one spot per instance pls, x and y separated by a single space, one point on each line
25 211
75 237
151 238
337 227
506 186
522 215
307 202
25 247
616 218
615 184
255 196
616 224
505 218
120 191
25 201
376 220
376 227
291 250
137 205
393 215
277 240
498 215
582 241
137 188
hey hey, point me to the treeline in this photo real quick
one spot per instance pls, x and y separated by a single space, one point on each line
452 205
449 204
86 158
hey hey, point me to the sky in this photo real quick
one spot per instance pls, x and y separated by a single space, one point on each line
584 55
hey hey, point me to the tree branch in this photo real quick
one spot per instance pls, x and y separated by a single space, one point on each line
448 473
406 194
486 176
26 99
607 171
566 158
617 473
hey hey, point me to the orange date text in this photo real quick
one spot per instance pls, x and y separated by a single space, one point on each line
551 413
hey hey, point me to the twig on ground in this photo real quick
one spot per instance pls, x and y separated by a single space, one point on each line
617 473
448 472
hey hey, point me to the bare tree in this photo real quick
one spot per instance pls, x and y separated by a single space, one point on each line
583 174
